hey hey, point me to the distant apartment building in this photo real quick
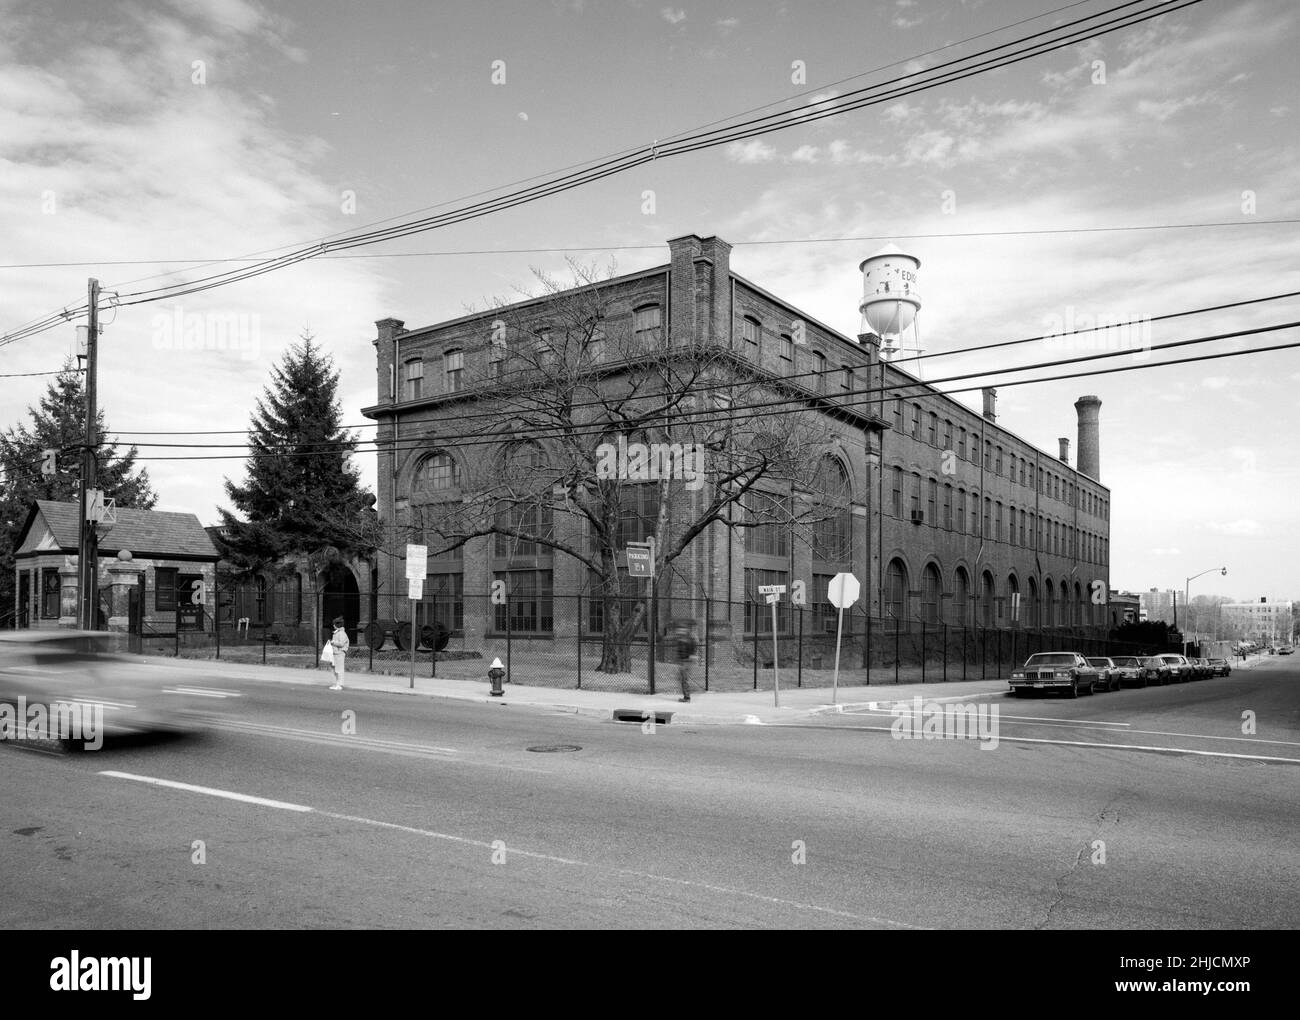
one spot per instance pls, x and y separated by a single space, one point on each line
1262 620
1158 606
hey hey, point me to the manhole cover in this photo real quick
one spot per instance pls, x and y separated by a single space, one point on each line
552 748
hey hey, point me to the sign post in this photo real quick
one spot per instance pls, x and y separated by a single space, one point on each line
773 593
641 563
417 565
842 592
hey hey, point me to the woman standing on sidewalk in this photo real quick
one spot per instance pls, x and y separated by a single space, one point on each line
340 644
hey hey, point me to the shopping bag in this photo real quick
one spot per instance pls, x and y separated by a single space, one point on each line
327 654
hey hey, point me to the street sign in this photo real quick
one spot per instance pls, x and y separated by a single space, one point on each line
639 563
771 589
843 591
417 562
772 599
415 588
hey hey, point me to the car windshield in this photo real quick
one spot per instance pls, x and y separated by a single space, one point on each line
1051 659
1171 659
1099 662
1155 660
1126 660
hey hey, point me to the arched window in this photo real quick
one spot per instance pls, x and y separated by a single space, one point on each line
1049 600
1014 616
986 600
750 330
437 473
1030 614
833 528
896 598
930 585
961 597
525 503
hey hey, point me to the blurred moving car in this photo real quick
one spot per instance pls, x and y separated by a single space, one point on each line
1156 671
1129 668
1285 650
71 684
1107 673
1221 667
1068 672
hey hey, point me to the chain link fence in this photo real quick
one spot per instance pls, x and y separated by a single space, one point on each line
590 643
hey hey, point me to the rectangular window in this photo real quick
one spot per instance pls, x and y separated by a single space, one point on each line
769 535
898 414
916 421
961 511
988 453
974 513
933 436
997 522
414 379
930 517
528 602
757 611
444 601
947 507
531 519
647 324
749 330
916 492
961 445
825 615
997 466
787 347
1022 527
947 435
987 503
898 492
164 590
454 363
846 378
51 594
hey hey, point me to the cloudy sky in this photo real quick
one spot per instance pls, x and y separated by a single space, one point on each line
139 141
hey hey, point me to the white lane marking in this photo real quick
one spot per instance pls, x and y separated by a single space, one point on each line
210 791
202 692
530 854
1069 743
1020 718
1124 728
337 738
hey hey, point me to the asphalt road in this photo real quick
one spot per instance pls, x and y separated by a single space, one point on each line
299 807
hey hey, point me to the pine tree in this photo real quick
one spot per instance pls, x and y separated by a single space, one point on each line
302 495
58 422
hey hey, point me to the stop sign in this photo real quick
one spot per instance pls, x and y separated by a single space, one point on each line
843 590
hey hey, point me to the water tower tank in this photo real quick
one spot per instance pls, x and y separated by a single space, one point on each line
890 294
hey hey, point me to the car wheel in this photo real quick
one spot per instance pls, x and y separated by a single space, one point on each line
1074 688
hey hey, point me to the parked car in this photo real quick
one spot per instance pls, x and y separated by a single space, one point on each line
1129 668
1221 667
1207 670
1179 668
1156 671
1107 673
1285 650
1068 672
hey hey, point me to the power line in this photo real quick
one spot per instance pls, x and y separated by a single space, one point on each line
465 415
767 409
771 242
808 113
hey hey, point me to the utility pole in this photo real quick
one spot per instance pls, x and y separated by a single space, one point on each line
88 544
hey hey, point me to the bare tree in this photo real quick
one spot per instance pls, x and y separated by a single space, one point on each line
590 428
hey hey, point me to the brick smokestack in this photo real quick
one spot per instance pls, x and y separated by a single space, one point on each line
1065 450
1089 409
990 403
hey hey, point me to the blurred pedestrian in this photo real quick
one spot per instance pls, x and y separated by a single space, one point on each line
686 649
340 643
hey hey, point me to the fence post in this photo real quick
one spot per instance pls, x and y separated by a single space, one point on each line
708 632
507 633
374 617
999 659
866 635
984 652
177 628
798 682
922 651
754 621
579 640
897 624
216 611
433 648
963 651
945 651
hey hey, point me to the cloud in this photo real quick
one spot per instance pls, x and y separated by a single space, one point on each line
753 151
673 17
726 25
1166 552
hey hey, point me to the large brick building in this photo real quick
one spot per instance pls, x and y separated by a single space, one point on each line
949 515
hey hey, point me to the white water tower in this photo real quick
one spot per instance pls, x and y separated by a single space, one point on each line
890 300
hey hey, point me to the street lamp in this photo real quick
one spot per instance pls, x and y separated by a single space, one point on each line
1187 605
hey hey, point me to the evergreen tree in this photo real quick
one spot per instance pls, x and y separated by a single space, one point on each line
302 495
58 422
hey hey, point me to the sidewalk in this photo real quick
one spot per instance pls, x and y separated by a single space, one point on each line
713 707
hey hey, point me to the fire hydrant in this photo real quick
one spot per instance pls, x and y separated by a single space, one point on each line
496 672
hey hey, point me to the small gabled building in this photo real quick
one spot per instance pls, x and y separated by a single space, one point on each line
159 555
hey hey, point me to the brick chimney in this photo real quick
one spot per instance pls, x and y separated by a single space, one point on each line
990 403
1065 450
1089 410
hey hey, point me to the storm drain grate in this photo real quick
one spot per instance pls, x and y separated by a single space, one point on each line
553 748
637 715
